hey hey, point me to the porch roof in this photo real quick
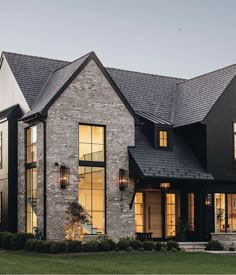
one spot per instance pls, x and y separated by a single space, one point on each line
180 162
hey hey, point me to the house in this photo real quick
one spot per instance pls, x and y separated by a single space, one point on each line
142 153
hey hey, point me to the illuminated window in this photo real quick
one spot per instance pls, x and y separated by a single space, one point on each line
31 179
191 221
139 212
234 130
170 214
92 176
163 139
31 144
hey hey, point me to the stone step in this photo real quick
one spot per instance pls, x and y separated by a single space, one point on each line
192 246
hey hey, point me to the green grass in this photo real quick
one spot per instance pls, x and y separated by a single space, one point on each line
117 262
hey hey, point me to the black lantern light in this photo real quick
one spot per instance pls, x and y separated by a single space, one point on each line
123 179
64 176
164 185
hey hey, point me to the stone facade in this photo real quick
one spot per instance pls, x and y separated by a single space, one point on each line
88 99
227 239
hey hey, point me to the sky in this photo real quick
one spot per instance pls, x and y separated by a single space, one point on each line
182 38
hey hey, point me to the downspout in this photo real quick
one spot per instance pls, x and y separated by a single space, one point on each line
44 178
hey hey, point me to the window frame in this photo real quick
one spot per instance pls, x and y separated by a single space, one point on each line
157 138
97 164
28 166
234 143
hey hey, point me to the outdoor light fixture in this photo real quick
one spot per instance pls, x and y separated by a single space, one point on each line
208 201
64 176
164 185
123 179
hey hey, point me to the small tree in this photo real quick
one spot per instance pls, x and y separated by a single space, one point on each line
77 216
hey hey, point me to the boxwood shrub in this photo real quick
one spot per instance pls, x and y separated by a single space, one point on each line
148 245
123 243
30 244
136 244
73 246
159 246
19 239
6 240
172 244
57 247
214 245
91 246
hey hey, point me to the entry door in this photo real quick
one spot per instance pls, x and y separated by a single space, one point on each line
154 214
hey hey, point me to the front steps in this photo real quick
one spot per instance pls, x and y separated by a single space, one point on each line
192 246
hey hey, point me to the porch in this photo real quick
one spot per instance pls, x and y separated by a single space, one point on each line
184 213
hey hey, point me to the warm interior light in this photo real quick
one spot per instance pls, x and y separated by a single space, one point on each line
64 176
123 179
165 185
208 200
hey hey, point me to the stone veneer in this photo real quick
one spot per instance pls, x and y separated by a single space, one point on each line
227 239
88 99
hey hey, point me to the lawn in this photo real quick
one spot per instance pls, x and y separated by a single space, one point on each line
117 262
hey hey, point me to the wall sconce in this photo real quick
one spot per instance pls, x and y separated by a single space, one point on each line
64 176
164 185
123 179
208 201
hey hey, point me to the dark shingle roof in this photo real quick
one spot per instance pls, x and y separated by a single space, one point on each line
177 163
55 82
197 96
153 118
147 92
31 72
8 111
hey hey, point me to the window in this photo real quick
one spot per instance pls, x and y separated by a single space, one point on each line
191 221
31 178
163 139
0 149
234 132
170 214
220 210
92 176
139 212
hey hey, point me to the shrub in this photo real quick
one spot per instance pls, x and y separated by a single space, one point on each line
148 245
2 234
129 249
73 246
19 239
57 247
172 244
173 249
104 246
159 246
214 245
91 246
6 241
38 245
123 243
30 244
136 244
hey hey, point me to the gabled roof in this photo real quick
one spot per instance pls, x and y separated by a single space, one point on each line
179 163
31 72
196 97
147 93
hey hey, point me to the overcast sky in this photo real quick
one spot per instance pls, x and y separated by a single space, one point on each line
181 38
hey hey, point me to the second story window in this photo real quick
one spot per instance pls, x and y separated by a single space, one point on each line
163 139
31 144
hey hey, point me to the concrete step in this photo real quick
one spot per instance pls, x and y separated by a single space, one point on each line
192 246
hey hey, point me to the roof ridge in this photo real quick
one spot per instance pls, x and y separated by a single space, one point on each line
36 56
206 74
151 74
88 54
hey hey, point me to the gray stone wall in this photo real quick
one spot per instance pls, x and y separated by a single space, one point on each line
88 99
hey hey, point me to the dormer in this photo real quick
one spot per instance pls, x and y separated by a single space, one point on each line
158 130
